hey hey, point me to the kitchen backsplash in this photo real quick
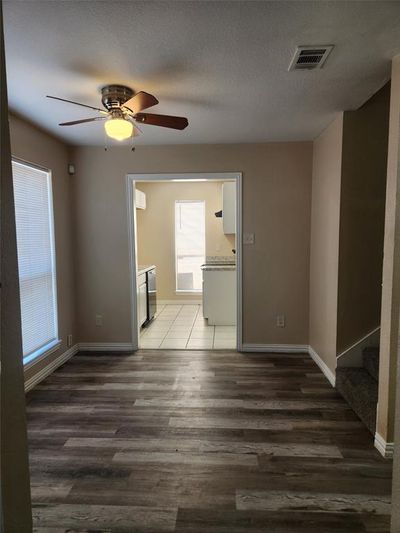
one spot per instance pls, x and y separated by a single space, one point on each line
220 259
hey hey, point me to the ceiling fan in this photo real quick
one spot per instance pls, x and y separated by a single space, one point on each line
123 110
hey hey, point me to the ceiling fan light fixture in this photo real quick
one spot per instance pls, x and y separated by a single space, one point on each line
119 129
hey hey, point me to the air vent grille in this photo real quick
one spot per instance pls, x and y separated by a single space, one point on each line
309 57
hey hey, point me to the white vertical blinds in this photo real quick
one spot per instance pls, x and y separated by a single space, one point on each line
36 257
190 244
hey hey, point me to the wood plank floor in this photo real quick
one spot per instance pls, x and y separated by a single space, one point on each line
197 441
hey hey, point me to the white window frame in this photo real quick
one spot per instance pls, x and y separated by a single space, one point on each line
54 344
187 291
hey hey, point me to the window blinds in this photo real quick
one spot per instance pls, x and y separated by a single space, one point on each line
36 257
190 244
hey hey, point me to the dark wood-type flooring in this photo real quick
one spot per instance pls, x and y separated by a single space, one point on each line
201 441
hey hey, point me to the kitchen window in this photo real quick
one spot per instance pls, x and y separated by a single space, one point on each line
190 244
36 259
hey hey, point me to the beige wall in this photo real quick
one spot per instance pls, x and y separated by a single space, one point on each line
33 145
390 346
362 216
156 229
15 497
391 268
276 207
325 212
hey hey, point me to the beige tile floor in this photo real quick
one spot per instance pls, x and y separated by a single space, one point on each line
183 326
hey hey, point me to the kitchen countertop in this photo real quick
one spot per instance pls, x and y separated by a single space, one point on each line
218 267
215 262
144 268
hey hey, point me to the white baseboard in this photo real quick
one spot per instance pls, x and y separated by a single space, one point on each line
323 366
105 346
353 355
383 447
49 369
180 302
275 348
293 348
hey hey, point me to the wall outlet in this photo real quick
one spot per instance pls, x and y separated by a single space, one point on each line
248 238
99 320
69 340
280 321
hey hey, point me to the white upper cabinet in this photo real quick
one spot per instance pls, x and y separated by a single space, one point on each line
229 207
140 198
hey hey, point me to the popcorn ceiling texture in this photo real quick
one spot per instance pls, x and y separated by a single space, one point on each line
221 64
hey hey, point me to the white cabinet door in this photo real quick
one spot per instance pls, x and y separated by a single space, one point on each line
229 207
142 303
219 297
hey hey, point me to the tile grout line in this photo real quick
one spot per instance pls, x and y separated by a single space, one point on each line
169 329
194 322
173 322
189 338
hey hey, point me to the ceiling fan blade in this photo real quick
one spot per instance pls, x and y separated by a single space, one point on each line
166 121
73 122
140 101
76 103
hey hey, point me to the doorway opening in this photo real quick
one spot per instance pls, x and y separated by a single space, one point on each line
185 260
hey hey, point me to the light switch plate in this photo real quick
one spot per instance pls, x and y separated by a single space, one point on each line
248 238
280 321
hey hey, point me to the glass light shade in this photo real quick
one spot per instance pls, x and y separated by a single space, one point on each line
118 128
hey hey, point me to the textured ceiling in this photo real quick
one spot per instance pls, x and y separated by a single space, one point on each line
221 64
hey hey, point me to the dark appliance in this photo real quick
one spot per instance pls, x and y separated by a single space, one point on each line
151 294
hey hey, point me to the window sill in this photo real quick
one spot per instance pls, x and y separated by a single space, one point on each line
41 353
199 293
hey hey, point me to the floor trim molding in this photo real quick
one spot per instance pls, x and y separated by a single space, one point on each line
293 348
50 368
105 347
275 348
384 448
330 376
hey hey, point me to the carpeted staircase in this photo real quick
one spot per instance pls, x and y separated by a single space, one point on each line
359 387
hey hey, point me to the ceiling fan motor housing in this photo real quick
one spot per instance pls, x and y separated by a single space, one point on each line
113 96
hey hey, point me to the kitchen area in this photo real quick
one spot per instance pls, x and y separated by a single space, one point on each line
186 296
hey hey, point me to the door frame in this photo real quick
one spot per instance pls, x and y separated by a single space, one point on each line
131 180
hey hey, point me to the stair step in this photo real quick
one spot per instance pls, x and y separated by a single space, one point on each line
371 361
360 391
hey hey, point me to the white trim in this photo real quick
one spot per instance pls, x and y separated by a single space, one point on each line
50 368
331 377
133 265
105 347
180 302
188 293
185 176
384 448
293 348
275 348
132 232
239 262
352 356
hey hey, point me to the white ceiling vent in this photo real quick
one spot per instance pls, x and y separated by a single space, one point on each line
310 57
